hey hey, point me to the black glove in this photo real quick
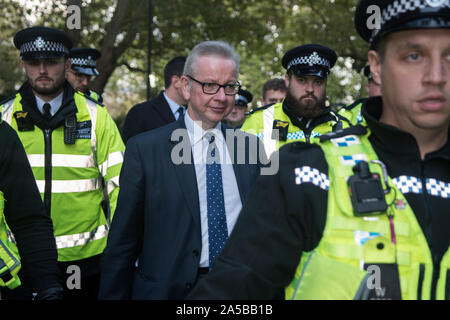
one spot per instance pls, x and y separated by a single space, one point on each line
50 294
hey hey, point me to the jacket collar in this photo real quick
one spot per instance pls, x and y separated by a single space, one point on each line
68 107
400 142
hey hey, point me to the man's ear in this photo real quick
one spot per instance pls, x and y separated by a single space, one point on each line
375 65
175 81
287 80
185 87
68 65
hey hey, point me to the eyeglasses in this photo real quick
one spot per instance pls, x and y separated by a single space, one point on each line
213 88
80 77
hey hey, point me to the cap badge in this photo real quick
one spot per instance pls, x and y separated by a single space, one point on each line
39 43
314 59
436 3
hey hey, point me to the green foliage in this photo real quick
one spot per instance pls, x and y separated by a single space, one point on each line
260 30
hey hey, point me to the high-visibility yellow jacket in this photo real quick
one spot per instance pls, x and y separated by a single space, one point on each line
72 157
392 240
264 120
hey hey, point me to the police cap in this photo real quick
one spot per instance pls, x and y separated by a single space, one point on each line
42 43
243 97
84 60
374 19
310 60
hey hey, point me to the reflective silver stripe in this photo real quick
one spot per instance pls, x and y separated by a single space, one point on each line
113 159
112 183
10 236
7 111
67 186
80 239
63 160
270 145
92 109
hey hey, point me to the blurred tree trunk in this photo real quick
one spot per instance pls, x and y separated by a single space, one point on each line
119 34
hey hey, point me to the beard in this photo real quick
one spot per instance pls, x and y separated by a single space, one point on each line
55 86
306 109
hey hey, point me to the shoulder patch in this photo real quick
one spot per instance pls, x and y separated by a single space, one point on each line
259 109
93 100
8 99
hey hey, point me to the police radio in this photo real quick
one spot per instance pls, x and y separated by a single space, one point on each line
366 191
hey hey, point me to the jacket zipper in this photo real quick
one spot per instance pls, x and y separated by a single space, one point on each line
48 171
308 132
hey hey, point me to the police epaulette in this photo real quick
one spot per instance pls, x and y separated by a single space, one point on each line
8 99
358 130
258 109
93 100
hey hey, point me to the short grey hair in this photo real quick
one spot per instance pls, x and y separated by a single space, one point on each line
211 48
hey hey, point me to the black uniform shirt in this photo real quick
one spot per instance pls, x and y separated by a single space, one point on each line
280 219
24 212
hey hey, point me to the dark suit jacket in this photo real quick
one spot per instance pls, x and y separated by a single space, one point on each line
147 116
157 219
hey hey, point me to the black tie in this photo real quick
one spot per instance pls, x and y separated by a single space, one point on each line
180 112
47 114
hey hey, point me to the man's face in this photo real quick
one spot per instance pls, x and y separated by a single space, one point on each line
237 114
414 77
78 80
273 96
306 95
210 108
46 76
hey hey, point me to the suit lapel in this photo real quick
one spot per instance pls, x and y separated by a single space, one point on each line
187 178
164 108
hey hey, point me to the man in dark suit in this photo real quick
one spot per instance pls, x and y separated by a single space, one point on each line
176 210
165 108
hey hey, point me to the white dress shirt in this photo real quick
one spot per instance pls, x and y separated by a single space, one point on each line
173 106
232 199
55 104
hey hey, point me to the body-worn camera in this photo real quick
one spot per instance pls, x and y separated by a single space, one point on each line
366 191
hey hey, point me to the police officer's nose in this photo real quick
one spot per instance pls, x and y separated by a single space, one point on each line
85 81
435 73
309 87
42 67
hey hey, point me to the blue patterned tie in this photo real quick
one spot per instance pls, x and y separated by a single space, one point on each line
217 221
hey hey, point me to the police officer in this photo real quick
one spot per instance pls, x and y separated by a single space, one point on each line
237 115
73 145
373 198
21 210
82 69
302 116
352 112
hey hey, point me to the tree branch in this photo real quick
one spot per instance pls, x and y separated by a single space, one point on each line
129 67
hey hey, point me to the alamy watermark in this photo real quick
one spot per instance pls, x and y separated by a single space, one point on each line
74 279
375 19
73 21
